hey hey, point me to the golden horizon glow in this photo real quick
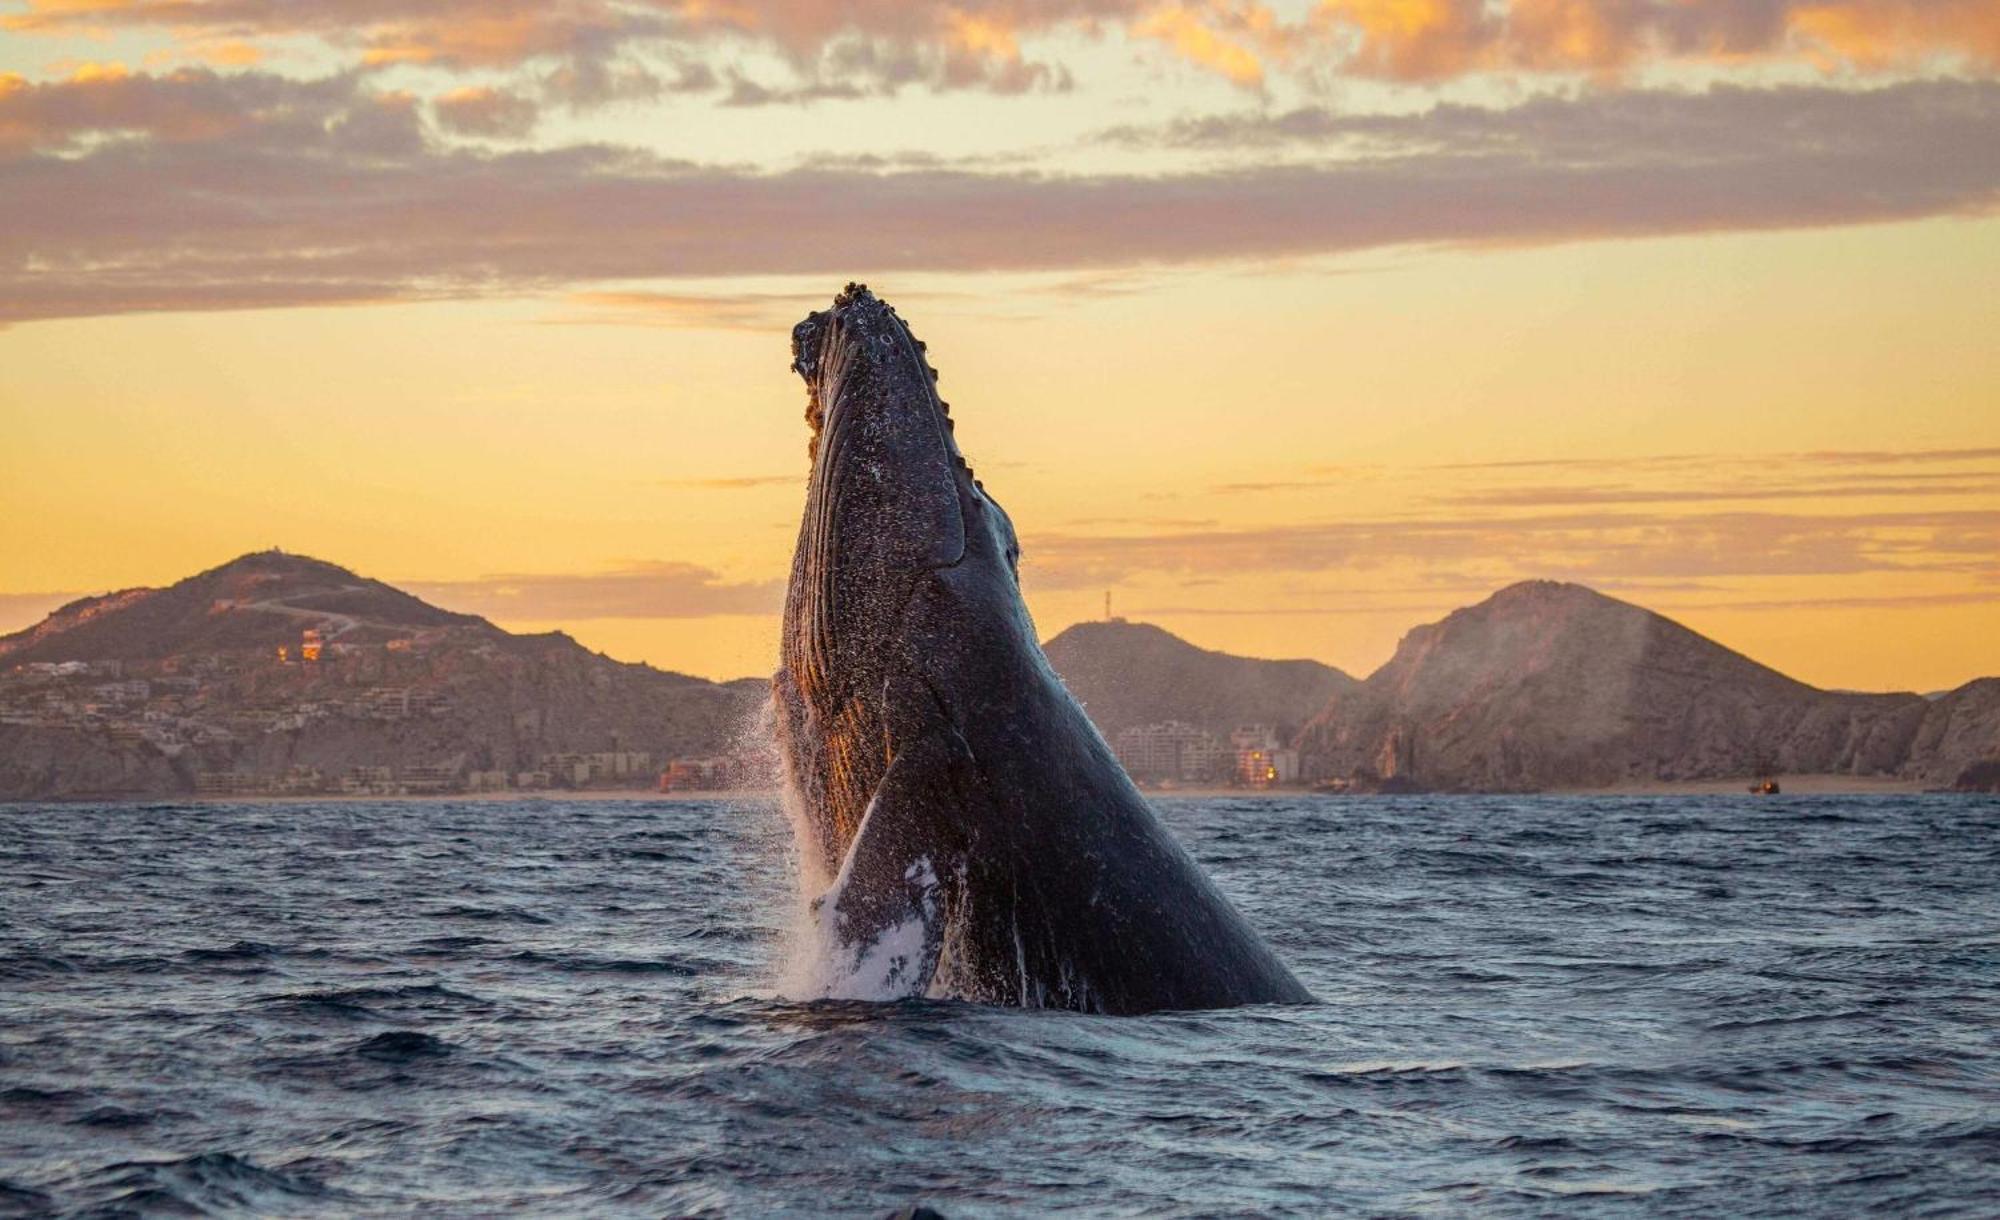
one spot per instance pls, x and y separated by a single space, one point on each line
440 447
1294 325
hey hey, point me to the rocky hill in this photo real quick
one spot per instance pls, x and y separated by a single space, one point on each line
1547 685
258 602
1128 674
276 672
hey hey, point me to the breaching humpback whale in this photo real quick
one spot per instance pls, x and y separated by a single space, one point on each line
976 837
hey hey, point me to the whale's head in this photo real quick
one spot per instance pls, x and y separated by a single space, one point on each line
891 509
883 505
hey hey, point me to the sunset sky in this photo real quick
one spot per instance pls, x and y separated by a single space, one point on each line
1292 324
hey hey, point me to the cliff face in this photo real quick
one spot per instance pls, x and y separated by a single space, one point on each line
1128 674
50 761
1551 685
1958 741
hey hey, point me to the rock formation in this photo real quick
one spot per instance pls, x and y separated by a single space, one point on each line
1547 685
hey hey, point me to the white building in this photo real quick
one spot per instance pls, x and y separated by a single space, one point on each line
1173 750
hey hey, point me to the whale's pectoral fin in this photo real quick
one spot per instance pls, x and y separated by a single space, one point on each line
890 906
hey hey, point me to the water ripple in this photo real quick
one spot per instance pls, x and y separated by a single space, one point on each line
1529 1007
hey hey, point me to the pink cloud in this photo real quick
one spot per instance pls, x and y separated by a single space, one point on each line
485 111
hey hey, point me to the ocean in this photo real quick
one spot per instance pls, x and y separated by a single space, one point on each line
1548 1006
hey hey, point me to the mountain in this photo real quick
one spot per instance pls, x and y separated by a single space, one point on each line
259 601
278 672
1127 674
1547 685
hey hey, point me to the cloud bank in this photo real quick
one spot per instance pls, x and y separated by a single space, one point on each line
948 44
657 589
205 190
1594 547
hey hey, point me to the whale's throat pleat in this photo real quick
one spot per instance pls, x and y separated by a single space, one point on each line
857 754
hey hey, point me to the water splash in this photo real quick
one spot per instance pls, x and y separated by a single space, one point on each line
828 964
811 962
816 960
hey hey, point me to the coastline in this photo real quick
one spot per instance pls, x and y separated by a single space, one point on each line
1790 785
1796 785
542 795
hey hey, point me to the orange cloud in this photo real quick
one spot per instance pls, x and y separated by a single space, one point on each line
883 44
1192 32
1569 34
1886 32
1412 39
979 35
93 73
232 54
1435 39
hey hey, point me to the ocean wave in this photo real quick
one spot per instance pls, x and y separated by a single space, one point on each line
1528 1007
203 1183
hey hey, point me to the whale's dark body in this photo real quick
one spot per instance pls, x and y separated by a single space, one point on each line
978 838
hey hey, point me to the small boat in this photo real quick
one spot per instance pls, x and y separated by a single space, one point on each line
1764 787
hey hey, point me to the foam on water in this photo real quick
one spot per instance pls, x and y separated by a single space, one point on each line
820 960
809 963
825 961
885 966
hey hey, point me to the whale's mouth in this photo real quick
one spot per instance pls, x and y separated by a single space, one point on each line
860 355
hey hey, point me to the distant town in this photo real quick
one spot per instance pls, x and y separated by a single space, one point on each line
178 705
1174 753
